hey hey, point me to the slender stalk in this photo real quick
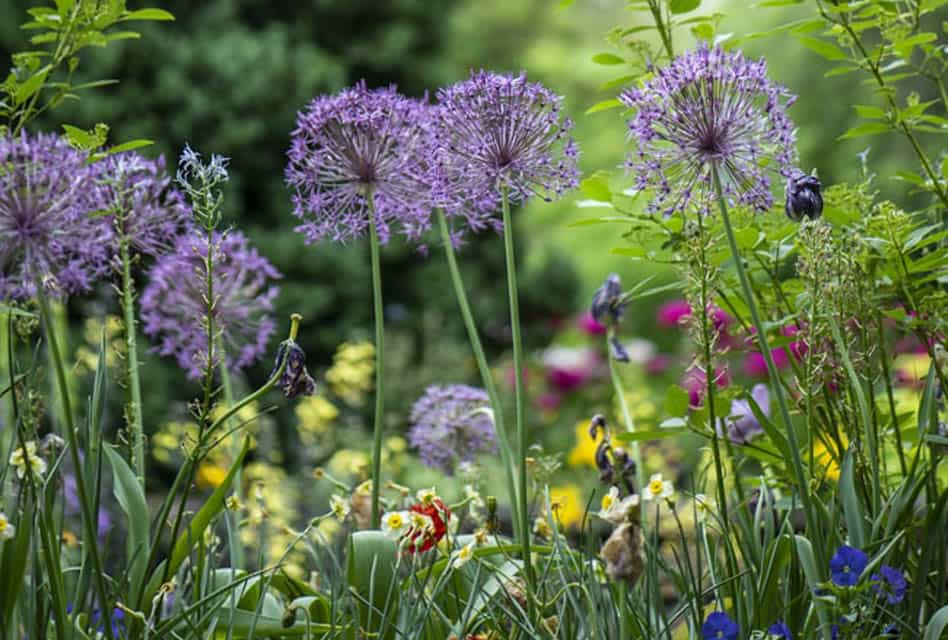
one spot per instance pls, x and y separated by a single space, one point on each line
802 484
487 379
629 425
235 547
379 362
518 392
131 365
89 522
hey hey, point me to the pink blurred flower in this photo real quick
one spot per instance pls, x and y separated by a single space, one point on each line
671 313
695 382
658 364
588 325
568 368
755 366
549 401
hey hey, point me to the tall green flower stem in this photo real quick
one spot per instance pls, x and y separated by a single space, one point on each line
227 387
487 379
379 362
89 521
134 408
520 408
802 484
628 420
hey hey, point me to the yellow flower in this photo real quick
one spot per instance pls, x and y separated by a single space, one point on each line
348 462
584 451
233 503
827 457
24 458
350 375
340 506
568 504
7 530
314 415
210 475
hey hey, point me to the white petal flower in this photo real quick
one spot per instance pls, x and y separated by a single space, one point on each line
340 506
658 488
7 530
395 523
462 556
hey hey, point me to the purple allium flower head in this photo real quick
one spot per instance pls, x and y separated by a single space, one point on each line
780 629
154 212
742 425
356 152
890 583
719 626
846 565
173 304
452 424
48 232
500 132
709 107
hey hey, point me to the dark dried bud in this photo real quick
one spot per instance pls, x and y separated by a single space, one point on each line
619 352
604 464
295 380
607 306
598 422
627 468
804 199
623 553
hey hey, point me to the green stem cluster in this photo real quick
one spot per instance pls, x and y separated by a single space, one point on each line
134 407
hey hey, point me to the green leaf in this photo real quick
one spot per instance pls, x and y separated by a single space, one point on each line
128 491
703 31
683 6
31 85
210 509
865 129
823 48
852 509
14 557
148 14
677 401
130 145
597 187
605 105
371 573
264 626
870 112
935 628
607 58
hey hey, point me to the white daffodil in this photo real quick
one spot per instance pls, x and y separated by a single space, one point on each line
24 458
340 506
658 488
427 496
704 506
7 530
462 556
395 524
614 510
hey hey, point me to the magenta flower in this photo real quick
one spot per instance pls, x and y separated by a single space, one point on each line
695 382
709 108
358 153
672 313
590 326
173 305
501 133
47 231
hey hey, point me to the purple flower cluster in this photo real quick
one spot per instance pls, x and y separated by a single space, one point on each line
154 213
452 424
742 425
48 234
846 565
709 108
719 626
173 304
500 133
357 154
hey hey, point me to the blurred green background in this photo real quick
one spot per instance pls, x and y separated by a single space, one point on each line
229 76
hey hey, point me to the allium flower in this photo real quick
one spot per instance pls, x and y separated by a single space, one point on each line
709 108
719 626
780 630
847 565
358 152
154 212
173 304
452 424
47 232
742 425
500 132
890 583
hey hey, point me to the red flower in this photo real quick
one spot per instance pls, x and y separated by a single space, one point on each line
439 514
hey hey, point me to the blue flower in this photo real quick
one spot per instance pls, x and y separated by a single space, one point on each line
891 631
719 626
847 565
890 583
780 629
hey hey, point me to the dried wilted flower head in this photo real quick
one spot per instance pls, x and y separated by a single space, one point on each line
709 108
48 234
295 380
174 302
357 154
500 132
804 199
623 553
144 205
607 305
452 424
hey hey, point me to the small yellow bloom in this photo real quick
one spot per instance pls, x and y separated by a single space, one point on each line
542 529
7 530
24 458
340 506
233 503
462 556
210 476
568 504
827 457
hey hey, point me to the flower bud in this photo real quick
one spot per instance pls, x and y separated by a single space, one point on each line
295 379
607 306
804 199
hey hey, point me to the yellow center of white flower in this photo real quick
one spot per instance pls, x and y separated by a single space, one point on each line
607 501
395 521
655 487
